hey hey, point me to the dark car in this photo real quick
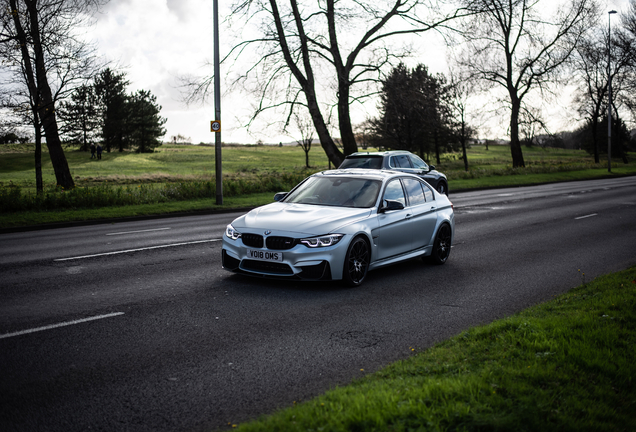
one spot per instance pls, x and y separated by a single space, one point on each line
398 160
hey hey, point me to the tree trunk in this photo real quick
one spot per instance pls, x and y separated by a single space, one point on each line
437 139
333 153
464 144
46 105
39 184
344 118
306 82
619 145
515 144
595 138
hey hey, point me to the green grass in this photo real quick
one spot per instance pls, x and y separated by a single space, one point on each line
565 365
170 163
33 218
124 184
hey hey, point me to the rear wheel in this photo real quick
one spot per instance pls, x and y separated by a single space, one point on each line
442 245
356 262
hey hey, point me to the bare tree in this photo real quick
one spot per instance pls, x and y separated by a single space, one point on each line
625 44
591 67
518 46
42 50
306 133
457 95
301 38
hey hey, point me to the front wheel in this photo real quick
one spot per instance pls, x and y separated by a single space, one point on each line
356 262
442 188
442 245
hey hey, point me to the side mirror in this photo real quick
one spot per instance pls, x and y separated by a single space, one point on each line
431 167
391 206
280 196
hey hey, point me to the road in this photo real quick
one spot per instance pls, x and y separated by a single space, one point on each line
135 326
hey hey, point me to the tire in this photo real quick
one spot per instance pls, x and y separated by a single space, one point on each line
356 264
442 188
442 245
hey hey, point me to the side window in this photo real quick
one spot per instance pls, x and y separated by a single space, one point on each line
404 161
394 192
428 194
419 163
414 191
400 161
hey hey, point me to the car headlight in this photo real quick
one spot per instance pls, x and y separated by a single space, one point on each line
231 233
322 241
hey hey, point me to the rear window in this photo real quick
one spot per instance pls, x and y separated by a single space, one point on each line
370 162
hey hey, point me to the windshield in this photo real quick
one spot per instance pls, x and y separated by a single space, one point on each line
371 162
336 191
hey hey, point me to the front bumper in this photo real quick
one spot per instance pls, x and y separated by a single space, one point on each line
299 262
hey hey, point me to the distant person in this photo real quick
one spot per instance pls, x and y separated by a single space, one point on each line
92 150
99 152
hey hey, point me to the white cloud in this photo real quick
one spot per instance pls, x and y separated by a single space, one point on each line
155 42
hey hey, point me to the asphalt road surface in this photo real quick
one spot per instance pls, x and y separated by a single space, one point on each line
135 326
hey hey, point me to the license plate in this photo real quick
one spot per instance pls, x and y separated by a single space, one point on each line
264 255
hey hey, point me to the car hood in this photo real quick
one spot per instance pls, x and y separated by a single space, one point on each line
300 218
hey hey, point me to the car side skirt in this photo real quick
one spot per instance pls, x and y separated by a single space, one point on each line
403 257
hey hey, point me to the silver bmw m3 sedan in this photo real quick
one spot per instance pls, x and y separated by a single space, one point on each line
339 225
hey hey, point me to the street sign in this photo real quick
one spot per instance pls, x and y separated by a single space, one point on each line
215 126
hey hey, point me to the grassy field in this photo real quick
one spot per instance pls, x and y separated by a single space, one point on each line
565 365
181 178
170 163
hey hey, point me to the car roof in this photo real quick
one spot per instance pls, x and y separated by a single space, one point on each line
364 173
377 154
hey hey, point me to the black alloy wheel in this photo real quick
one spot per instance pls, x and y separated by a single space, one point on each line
442 188
442 245
356 262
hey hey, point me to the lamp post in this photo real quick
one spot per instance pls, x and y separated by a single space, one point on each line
217 108
609 90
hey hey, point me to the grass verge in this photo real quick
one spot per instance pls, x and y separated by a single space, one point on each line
565 365
33 218
99 197
177 179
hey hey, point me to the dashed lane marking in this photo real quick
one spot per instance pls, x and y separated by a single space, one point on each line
586 216
140 231
136 250
63 324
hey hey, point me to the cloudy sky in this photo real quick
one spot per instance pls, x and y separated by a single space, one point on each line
157 41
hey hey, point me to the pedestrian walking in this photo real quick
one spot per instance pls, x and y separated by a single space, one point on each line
92 150
99 152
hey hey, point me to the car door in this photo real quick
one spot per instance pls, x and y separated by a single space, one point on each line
392 237
421 212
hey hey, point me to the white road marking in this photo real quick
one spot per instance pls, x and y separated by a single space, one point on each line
136 250
140 231
64 324
586 216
